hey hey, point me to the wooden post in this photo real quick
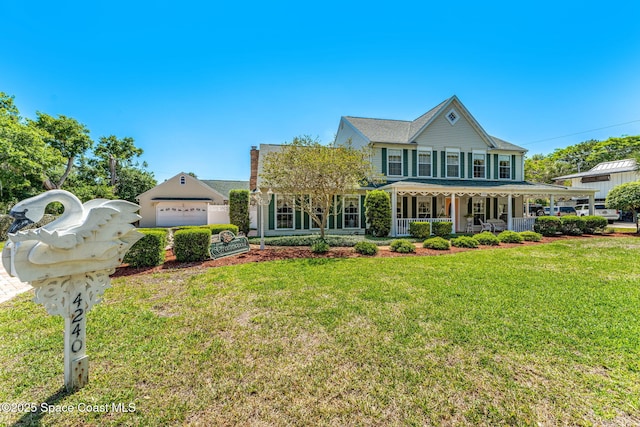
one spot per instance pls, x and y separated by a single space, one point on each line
76 362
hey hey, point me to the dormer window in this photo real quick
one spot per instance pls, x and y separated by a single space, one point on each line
183 180
453 116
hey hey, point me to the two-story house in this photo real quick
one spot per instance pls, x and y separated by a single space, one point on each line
442 166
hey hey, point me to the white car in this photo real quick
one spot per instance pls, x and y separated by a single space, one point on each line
600 210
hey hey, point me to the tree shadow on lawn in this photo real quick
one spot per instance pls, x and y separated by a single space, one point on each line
35 418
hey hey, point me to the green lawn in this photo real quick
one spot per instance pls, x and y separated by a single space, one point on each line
545 334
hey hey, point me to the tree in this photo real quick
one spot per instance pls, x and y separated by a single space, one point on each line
315 174
626 197
133 181
113 152
66 135
378 212
239 209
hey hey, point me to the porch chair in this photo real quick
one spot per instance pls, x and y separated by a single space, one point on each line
498 224
485 226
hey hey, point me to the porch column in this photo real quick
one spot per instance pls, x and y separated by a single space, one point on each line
551 204
509 213
453 212
394 215
527 209
592 202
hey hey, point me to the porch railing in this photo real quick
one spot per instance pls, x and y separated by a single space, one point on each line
522 224
402 224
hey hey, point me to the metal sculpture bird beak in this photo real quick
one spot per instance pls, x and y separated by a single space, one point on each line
20 222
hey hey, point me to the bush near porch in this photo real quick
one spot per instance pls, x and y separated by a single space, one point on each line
420 230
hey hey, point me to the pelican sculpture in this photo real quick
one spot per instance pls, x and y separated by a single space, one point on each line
90 237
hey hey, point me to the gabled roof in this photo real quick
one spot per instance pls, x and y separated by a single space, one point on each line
405 132
224 187
606 168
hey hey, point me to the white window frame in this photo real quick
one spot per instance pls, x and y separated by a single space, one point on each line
345 200
292 200
450 153
501 158
428 213
312 223
456 116
483 156
395 153
429 163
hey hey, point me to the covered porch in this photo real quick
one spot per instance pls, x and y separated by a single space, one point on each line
471 205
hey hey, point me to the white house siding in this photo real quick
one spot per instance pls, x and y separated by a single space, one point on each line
441 135
604 187
346 132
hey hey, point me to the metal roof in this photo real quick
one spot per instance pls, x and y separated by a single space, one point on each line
606 168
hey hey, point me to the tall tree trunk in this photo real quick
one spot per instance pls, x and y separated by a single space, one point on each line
64 176
112 169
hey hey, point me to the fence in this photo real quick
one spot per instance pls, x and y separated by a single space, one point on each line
402 224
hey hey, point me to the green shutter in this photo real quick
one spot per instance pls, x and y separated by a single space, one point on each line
332 211
414 172
434 167
487 209
272 213
496 172
470 166
414 207
339 203
384 161
513 166
495 207
434 207
470 206
513 206
488 166
363 219
298 219
405 162
443 167
461 165
405 207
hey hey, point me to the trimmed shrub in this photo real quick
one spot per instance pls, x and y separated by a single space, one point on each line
531 236
437 243
320 247
594 224
508 236
366 248
192 244
442 228
487 238
572 225
465 242
378 212
148 251
239 209
402 246
309 239
547 225
420 230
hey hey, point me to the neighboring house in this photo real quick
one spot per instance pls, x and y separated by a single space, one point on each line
185 200
603 177
442 166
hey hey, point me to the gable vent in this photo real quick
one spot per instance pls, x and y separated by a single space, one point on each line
453 116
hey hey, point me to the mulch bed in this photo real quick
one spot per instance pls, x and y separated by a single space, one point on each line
275 253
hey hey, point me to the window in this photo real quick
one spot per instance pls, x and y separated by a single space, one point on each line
351 209
183 180
478 211
394 162
284 213
424 163
479 169
453 164
452 116
504 163
424 207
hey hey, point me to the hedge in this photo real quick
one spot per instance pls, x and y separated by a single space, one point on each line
437 243
487 238
420 230
366 248
441 228
214 228
402 246
192 244
572 225
594 224
531 236
508 236
378 212
148 251
547 225
465 242
239 209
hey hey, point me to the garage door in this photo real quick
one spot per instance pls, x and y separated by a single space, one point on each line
173 214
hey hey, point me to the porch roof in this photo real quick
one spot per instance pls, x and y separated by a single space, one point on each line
479 187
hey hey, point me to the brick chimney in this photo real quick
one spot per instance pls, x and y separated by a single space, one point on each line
253 179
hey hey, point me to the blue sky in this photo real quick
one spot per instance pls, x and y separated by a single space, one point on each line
197 83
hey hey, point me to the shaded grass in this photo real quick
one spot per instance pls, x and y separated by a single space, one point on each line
540 334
